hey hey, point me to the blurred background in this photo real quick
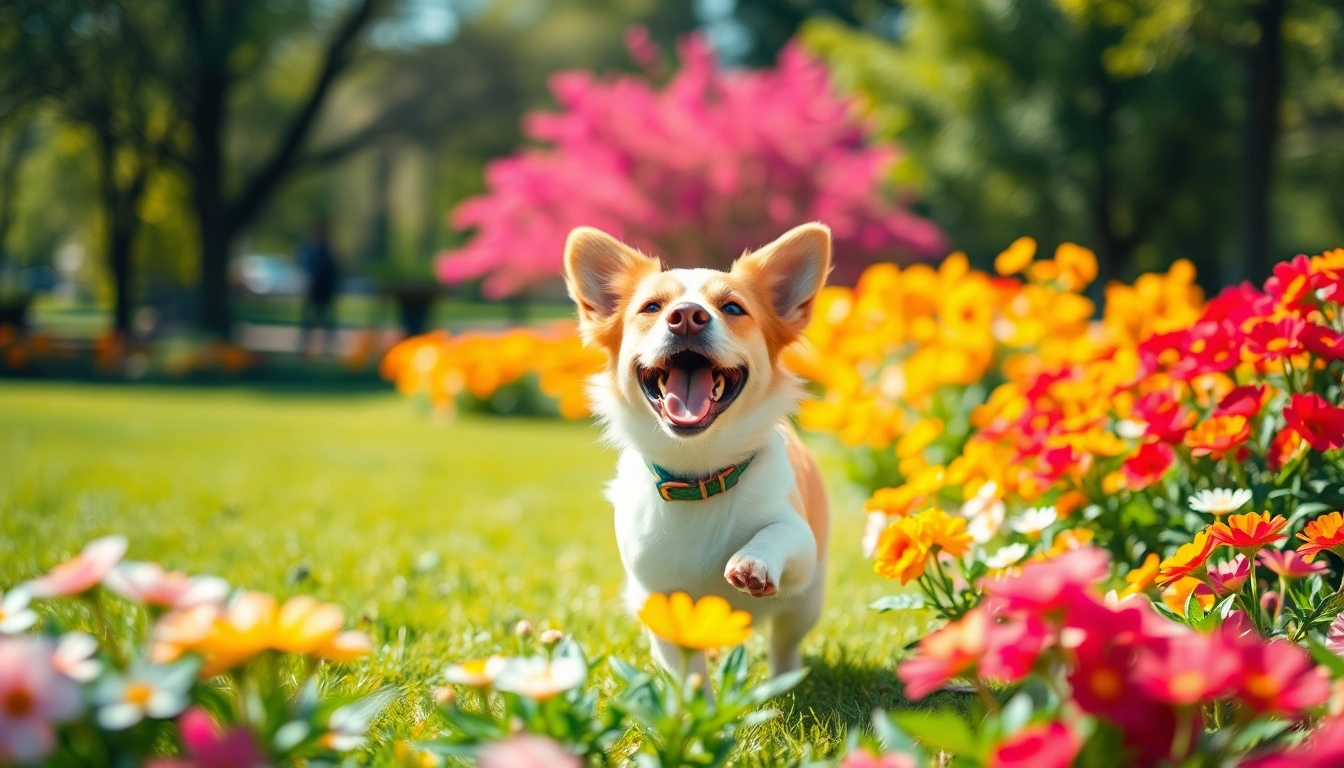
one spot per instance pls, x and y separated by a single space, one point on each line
284 188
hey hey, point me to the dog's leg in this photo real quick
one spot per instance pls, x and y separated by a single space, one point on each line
780 559
787 629
668 657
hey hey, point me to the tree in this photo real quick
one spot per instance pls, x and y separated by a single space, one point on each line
696 171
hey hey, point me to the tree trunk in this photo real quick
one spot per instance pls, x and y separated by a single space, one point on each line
212 205
120 238
1264 88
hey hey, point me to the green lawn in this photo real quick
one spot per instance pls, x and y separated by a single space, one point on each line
436 538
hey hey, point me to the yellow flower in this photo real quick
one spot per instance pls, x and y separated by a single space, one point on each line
1142 577
905 546
1077 265
918 437
1016 257
707 623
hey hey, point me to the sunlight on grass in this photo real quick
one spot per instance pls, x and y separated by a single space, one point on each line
436 539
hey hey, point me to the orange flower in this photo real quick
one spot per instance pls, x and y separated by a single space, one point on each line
1216 436
1189 559
1175 596
1324 533
1249 531
902 551
1016 257
1141 578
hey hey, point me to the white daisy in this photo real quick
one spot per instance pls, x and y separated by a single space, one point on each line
984 511
15 615
540 678
159 691
76 657
1220 501
1034 520
478 673
1006 556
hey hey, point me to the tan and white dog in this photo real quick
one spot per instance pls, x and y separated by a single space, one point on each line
714 493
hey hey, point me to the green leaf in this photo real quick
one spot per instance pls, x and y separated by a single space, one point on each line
906 602
894 739
772 688
1326 657
1016 713
624 670
941 729
1162 608
759 716
1259 731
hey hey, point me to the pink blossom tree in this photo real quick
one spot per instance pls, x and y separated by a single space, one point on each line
712 163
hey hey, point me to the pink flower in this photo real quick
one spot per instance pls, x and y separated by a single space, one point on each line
1289 564
947 653
1188 669
1323 749
1334 637
1228 577
76 657
1046 586
1015 642
82 572
526 751
862 758
1043 745
209 746
150 584
33 696
1279 677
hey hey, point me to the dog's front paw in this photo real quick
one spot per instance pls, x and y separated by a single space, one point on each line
750 575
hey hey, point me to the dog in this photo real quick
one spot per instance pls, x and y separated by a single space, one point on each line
714 493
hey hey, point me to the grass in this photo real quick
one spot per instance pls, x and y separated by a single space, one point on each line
436 539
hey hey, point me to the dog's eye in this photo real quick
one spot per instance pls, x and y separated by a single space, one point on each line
652 306
733 308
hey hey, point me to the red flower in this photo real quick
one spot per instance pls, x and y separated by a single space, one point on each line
1245 401
1043 745
1015 643
1147 465
1188 669
1046 586
1292 282
1217 435
1273 339
1283 448
1323 342
950 652
1166 420
1317 421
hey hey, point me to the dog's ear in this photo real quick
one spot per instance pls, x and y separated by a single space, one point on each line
791 271
601 272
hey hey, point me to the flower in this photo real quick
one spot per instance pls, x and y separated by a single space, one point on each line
1040 745
876 522
151 584
1006 556
1217 435
209 746
1249 530
947 653
1142 577
477 673
984 512
1047 585
1324 748
709 622
902 551
158 691
1032 521
1244 401
1186 669
1188 559
1228 577
1289 564
1317 421
1279 677
540 678
1147 465
33 696
918 437
82 572
1220 501
1177 595
15 615
75 658
1285 446
526 750
1015 257
1324 533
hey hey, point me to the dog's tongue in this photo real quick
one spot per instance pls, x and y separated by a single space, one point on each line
687 400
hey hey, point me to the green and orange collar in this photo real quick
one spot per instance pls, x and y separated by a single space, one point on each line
673 488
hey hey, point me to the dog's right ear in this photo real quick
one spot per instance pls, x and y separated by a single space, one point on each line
601 272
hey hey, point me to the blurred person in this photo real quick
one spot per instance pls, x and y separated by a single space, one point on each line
318 259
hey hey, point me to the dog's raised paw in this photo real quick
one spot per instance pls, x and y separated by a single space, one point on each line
747 574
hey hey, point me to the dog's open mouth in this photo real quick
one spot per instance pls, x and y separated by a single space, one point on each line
688 391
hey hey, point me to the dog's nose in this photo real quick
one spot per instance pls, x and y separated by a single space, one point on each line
687 319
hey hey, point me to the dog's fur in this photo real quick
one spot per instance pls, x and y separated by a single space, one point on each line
762 544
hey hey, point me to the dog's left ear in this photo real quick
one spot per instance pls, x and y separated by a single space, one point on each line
793 270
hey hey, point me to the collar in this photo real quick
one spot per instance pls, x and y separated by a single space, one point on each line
673 488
